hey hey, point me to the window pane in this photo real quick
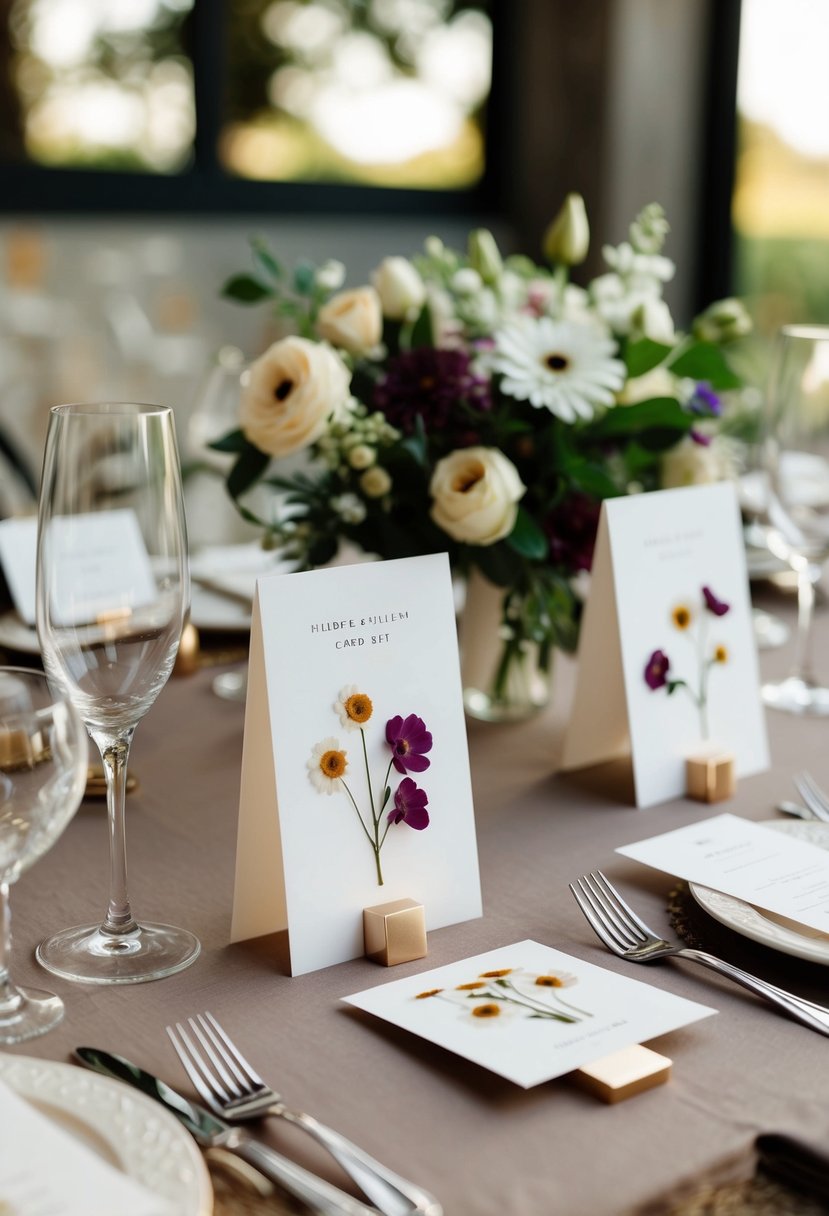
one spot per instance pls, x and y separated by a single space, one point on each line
781 197
99 84
382 92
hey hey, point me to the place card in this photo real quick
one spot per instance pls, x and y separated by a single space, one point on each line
667 657
752 862
527 1011
355 772
109 551
18 557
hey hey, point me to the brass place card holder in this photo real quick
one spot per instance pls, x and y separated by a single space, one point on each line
623 1074
710 776
395 932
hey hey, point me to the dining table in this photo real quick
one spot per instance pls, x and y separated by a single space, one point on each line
481 1144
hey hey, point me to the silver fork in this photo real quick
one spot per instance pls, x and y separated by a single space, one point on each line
230 1087
626 935
814 797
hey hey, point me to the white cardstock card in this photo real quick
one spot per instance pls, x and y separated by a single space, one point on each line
18 557
747 860
667 658
354 718
528 1012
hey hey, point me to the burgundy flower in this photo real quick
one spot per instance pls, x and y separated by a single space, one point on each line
718 607
699 437
410 805
571 530
430 383
408 739
656 670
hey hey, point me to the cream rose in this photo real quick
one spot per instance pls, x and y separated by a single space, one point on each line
292 389
352 320
400 287
476 492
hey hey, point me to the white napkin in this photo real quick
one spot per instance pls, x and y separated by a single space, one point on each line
46 1172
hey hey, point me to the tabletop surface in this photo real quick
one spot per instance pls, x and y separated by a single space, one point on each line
481 1144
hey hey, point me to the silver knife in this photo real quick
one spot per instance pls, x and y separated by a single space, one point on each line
206 1129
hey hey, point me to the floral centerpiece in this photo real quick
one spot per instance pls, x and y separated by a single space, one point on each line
483 405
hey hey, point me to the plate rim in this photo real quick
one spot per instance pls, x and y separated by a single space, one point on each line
202 1194
758 928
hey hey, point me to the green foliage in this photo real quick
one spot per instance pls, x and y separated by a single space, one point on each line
704 361
245 289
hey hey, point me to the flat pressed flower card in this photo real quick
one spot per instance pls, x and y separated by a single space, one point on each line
528 1012
667 657
355 770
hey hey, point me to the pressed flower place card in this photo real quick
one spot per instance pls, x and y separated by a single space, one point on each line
528 1012
667 658
355 773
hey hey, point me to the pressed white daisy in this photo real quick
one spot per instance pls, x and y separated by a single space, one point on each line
353 707
566 368
326 765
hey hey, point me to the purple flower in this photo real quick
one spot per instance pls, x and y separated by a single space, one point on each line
408 739
704 441
433 384
410 805
718 607
705 401
656 670
571 530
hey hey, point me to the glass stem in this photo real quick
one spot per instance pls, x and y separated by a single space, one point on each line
802 668
9 996
115 752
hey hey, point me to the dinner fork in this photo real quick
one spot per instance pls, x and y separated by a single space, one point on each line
232 1089
814 797
626 935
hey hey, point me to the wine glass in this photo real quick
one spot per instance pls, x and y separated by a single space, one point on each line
42 775
113 589
796 522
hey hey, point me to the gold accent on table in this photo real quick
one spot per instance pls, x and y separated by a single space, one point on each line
623 1074
710 776
187 659
395 932
21 750
96 786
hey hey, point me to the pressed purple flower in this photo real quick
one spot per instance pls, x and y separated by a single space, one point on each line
410 805
717 607
432 384
699 437
656 670
408 739
705 401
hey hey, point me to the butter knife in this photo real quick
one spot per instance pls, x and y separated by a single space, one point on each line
208 1130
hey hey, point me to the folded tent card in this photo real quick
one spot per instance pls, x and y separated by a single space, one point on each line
355 771
667 657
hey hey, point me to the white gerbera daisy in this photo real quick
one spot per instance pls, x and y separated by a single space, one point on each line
564 367
353 706
326 765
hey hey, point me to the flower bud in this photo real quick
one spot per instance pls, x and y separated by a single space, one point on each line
484 255
400 288
722 321
568 237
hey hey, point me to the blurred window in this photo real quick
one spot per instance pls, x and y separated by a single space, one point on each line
780 207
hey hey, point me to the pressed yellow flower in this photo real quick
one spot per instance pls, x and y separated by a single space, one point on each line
326 765
721 654
682 616
421 996
353 707
486 1011
496 975
470 987
333 763
549 981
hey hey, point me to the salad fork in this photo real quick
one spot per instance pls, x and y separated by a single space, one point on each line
627 936
235 1091
814 797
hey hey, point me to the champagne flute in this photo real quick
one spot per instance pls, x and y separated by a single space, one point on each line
42 774
112 593
796 520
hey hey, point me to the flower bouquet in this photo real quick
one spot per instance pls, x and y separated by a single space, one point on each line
483 405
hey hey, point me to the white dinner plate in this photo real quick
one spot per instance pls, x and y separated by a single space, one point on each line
126 1128
767 927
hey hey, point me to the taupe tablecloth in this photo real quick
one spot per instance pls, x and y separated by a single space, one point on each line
482 1145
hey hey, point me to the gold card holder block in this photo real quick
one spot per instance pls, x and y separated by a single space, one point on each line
395 932
623 1074
710 776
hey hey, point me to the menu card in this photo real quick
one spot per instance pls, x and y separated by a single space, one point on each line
528 1012
780 873
18 557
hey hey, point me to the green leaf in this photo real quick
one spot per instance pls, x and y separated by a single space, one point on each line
643 356
705 361
673 685
233 441
305 274
248 468
527 537
264 260
591 478
657 413
245 289
417 444
423 331
322 550
500 564
386 797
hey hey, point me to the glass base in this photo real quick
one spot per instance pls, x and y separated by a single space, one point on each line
91 956
797 696
31 1012
769 631
231 685
484 707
